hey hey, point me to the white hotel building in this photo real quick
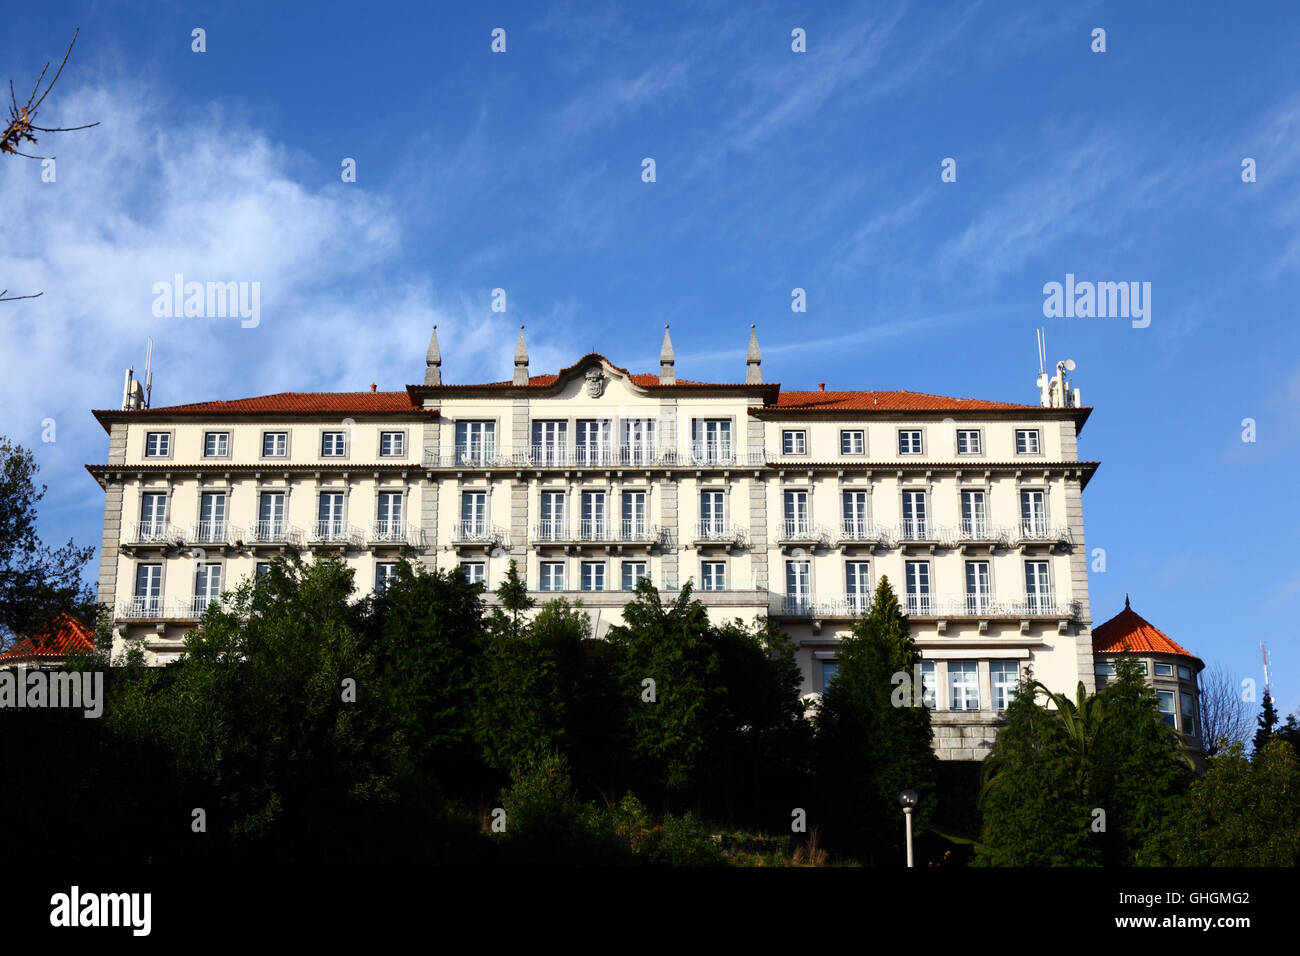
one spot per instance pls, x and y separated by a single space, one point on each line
790 504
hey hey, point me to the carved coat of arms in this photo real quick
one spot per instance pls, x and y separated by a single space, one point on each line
595 382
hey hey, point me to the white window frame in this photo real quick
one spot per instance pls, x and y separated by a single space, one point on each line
905 448
916 519
475 572
1030 436
334 438
1003 690
857 585
979 586
396 444
713 575
223 444
975 518
963 694
794 441
158 444
475 441
551 574
916 575
846 441
271 436
593 576
628 576
385 572
967 434
1038 586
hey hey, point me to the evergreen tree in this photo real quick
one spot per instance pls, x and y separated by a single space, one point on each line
1266 724
869 748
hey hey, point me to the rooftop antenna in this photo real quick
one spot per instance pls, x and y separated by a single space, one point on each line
1042 351
148 373
1263 652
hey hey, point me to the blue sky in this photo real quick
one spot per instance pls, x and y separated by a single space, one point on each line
775 170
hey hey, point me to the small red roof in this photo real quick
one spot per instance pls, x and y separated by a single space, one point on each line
1128 632
898 400
309 402
66 635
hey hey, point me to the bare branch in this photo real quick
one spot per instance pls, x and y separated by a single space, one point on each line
14 298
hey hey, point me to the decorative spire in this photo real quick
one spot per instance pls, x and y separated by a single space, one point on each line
753 360
433 361
1126 607
521 360
667 374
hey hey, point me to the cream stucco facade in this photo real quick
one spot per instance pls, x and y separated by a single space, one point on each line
784 504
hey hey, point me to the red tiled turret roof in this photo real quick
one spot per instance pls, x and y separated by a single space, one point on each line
1128 632
65 636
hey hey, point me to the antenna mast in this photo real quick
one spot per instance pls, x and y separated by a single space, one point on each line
1263 652
148 373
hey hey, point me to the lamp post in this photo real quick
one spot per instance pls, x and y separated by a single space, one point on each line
908 799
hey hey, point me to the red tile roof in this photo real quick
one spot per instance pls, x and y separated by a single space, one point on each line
65 636
1127 632
898 400
281 403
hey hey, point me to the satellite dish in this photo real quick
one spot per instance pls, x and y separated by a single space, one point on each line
1069 365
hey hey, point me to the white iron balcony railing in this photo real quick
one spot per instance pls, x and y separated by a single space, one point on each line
140 607
916 529
981 604
551 454
819 605
210 532
157 608
552 530
395 532
719 531
803 529
972 530
196 605
640 454
595 454
153 532
595 529
863 532
333 532
274 532
479 532
1040 531
636 531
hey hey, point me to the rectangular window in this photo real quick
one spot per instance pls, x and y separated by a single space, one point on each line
711 439
270 516
475 572
1189 714
1005 678
207 585
473 515
714 575
794 443
929 685
1185 673
594 525
554 525
261 570
909 441
918 587
593 575
216 444
633 572
1038 590
385 573
388 517
1165 702
797 521
968 441
333 444
594 438
638 441
212 517
857 586
329 516
1164 670
552 575
1026 441
148 589
1033 513
798 586
974 515
713 519
853 441
392 444
830 671
153 516
856 525
636 524
275 444
476 442
550 442
914 516
157 444
1104 669
963 685
979 595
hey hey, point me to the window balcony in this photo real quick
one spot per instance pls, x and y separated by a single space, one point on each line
479 534
719 533
153 532
336 533
633 531
1041 532
821 606
160 609
863 533
210 532
975 534
801 531
591 456
984 605
279 533
595 529
553 532
395 533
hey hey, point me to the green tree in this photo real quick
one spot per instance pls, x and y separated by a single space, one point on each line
1266 724
873 743
37 582
1241 812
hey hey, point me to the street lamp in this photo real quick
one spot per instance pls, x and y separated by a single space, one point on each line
908 800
